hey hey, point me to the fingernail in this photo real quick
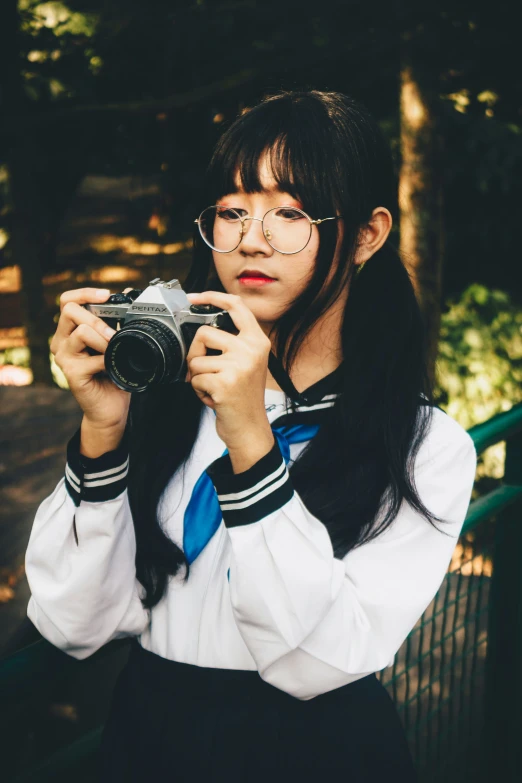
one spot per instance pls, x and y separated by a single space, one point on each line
102 293
108 332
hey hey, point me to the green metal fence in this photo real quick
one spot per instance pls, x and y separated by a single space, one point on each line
457 679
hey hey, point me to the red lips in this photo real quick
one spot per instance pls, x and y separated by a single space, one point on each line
255 273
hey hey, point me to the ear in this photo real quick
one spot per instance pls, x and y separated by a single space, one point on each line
374 234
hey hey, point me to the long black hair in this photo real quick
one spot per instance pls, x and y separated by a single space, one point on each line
327 151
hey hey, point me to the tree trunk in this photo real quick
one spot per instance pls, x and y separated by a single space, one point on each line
26 243
44 174
421 196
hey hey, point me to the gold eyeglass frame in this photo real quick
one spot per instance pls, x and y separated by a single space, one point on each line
261 220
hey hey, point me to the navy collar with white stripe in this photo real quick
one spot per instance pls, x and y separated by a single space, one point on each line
311 405
315 393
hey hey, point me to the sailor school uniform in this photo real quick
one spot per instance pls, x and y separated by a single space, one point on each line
266 598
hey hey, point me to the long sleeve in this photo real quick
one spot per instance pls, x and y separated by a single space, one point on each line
80 559
314 622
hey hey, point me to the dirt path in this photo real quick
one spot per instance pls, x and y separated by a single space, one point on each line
35 425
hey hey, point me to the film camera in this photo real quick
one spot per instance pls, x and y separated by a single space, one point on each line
155 329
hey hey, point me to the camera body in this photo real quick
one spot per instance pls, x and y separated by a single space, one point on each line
155 329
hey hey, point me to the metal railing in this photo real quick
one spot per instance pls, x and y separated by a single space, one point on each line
456 673
457 679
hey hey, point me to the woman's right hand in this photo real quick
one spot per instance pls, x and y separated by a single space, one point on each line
105 406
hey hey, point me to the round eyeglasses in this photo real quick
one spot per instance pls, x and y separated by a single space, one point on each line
286 229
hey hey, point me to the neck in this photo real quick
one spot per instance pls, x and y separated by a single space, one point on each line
320 353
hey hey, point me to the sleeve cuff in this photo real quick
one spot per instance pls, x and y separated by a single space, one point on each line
99 479
255 493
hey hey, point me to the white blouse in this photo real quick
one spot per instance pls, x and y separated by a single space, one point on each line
266 593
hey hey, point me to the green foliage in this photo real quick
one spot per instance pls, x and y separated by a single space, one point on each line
18 357
21 357
479 365
60 61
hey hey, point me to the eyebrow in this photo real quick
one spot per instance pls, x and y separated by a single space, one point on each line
272 189
296 201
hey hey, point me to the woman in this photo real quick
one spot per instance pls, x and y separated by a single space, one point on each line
271 530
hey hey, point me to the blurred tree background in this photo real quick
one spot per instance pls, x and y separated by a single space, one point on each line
109 110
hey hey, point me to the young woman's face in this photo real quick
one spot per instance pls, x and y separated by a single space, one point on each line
289 273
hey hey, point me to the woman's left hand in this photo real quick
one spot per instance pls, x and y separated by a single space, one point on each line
233 383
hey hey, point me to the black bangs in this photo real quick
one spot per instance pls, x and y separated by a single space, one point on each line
296 153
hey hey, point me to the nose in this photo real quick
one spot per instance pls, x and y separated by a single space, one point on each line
254 240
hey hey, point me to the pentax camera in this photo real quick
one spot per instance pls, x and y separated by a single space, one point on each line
155 329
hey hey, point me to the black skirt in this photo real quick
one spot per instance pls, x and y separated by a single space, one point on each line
173 722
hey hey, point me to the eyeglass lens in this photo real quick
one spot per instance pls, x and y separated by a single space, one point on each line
286 229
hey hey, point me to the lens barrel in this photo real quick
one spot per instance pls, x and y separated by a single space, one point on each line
143 353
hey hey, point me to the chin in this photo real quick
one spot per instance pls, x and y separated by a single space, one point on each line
263 311
257 301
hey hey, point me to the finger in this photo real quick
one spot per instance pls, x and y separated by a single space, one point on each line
73 315
210 337
205 385
203 364
85 335
80 370
92 365
84 296
241 315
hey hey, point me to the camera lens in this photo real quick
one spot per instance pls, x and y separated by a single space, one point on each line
142 353
137 357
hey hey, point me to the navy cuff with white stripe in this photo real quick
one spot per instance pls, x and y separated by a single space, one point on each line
96 479
253 494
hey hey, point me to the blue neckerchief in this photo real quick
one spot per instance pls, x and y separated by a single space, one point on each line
203 514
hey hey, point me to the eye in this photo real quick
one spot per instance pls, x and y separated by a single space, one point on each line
289 214
229 213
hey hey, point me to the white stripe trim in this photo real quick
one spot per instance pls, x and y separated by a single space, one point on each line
315 407
103 482
260 484
72 478
306 408
109 472
259 496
